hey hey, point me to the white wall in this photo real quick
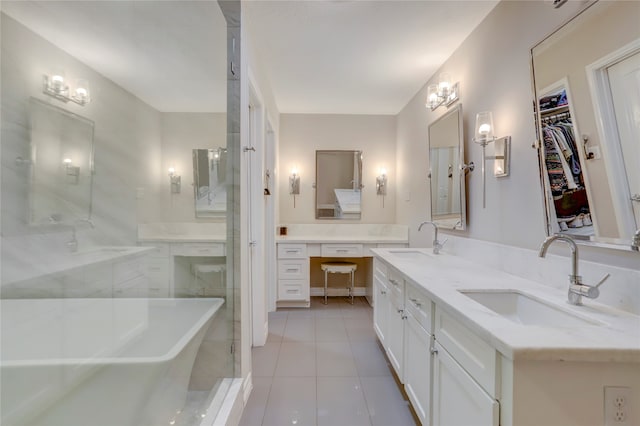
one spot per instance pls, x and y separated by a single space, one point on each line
126 139
302 134
492 66
181 133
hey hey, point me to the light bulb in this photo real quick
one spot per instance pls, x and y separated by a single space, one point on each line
484 129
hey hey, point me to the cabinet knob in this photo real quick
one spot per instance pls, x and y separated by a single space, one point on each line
383 292
400 311
416 301
433 351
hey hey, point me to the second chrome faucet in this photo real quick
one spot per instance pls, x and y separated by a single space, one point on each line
576 288
437 245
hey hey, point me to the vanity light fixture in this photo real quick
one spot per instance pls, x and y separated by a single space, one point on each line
57 87
294 184
174 180
444 93
502 149
381 182
72 172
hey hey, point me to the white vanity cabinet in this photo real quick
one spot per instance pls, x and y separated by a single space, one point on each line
465 376
293 274
381 301
418 340
394 341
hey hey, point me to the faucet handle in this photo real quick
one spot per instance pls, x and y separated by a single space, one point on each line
606 277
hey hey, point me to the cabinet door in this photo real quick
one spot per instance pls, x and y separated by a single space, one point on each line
380 308
417 365
457 399
394 340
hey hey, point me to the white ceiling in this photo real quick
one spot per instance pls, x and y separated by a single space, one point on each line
356 57
340 56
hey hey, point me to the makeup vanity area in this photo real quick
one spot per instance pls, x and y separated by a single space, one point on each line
306 245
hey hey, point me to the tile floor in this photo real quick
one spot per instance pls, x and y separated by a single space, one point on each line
324 366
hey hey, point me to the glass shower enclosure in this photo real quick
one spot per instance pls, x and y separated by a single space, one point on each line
117 301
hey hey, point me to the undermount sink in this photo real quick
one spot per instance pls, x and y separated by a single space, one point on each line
409 254
524 309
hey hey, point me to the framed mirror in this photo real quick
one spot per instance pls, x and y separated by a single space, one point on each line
61 163
338 184
447 183
209 185
585 78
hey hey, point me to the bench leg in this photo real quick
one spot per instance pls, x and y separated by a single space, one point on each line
325 287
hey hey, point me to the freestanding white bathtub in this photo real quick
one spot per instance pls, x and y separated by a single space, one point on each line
98 362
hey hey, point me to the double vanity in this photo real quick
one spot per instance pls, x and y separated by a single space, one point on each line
474 345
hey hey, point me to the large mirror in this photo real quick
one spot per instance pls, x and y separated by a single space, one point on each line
338 184
209 181
586 78
446 154
61 165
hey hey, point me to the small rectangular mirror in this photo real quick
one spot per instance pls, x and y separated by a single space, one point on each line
446 154
209 181
338 184
61 165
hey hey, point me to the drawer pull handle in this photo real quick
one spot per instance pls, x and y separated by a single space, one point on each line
400 311
342 250
291 251
433 351
394 282
292 270
416 301
383 292
292 291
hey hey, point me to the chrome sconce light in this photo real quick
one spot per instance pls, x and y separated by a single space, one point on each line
72 172
381 184
294 184
56 86
502 149
174 180
443 93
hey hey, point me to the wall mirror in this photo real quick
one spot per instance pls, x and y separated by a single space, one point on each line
61 165
446 153
585 78
209 185
338 184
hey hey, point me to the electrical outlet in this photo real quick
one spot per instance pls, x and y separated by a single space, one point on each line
617 406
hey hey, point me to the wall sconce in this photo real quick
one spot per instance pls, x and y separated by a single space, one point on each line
72 172
175 181
502 149
443 93
294 184
57 87
381 183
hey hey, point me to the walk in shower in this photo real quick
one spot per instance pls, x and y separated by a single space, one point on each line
118 302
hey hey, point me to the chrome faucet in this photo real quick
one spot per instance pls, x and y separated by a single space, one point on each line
72 244
635 241
437 245
576 288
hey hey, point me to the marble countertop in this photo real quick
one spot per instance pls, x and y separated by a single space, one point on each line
21 266
183 238
612 335
364 233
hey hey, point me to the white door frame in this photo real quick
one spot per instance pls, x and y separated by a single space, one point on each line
606 123
257 284
270 215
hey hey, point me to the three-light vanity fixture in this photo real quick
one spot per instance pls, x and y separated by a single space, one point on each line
443 93
56 86
502 148
174 180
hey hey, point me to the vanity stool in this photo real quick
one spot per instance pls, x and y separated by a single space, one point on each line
204 268
339 268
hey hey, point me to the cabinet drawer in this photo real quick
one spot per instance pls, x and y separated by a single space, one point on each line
293 290
396 284
341 250
136 287
127 270
474 355
292 251
158 249
380 269
198 249
292 269
419 305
